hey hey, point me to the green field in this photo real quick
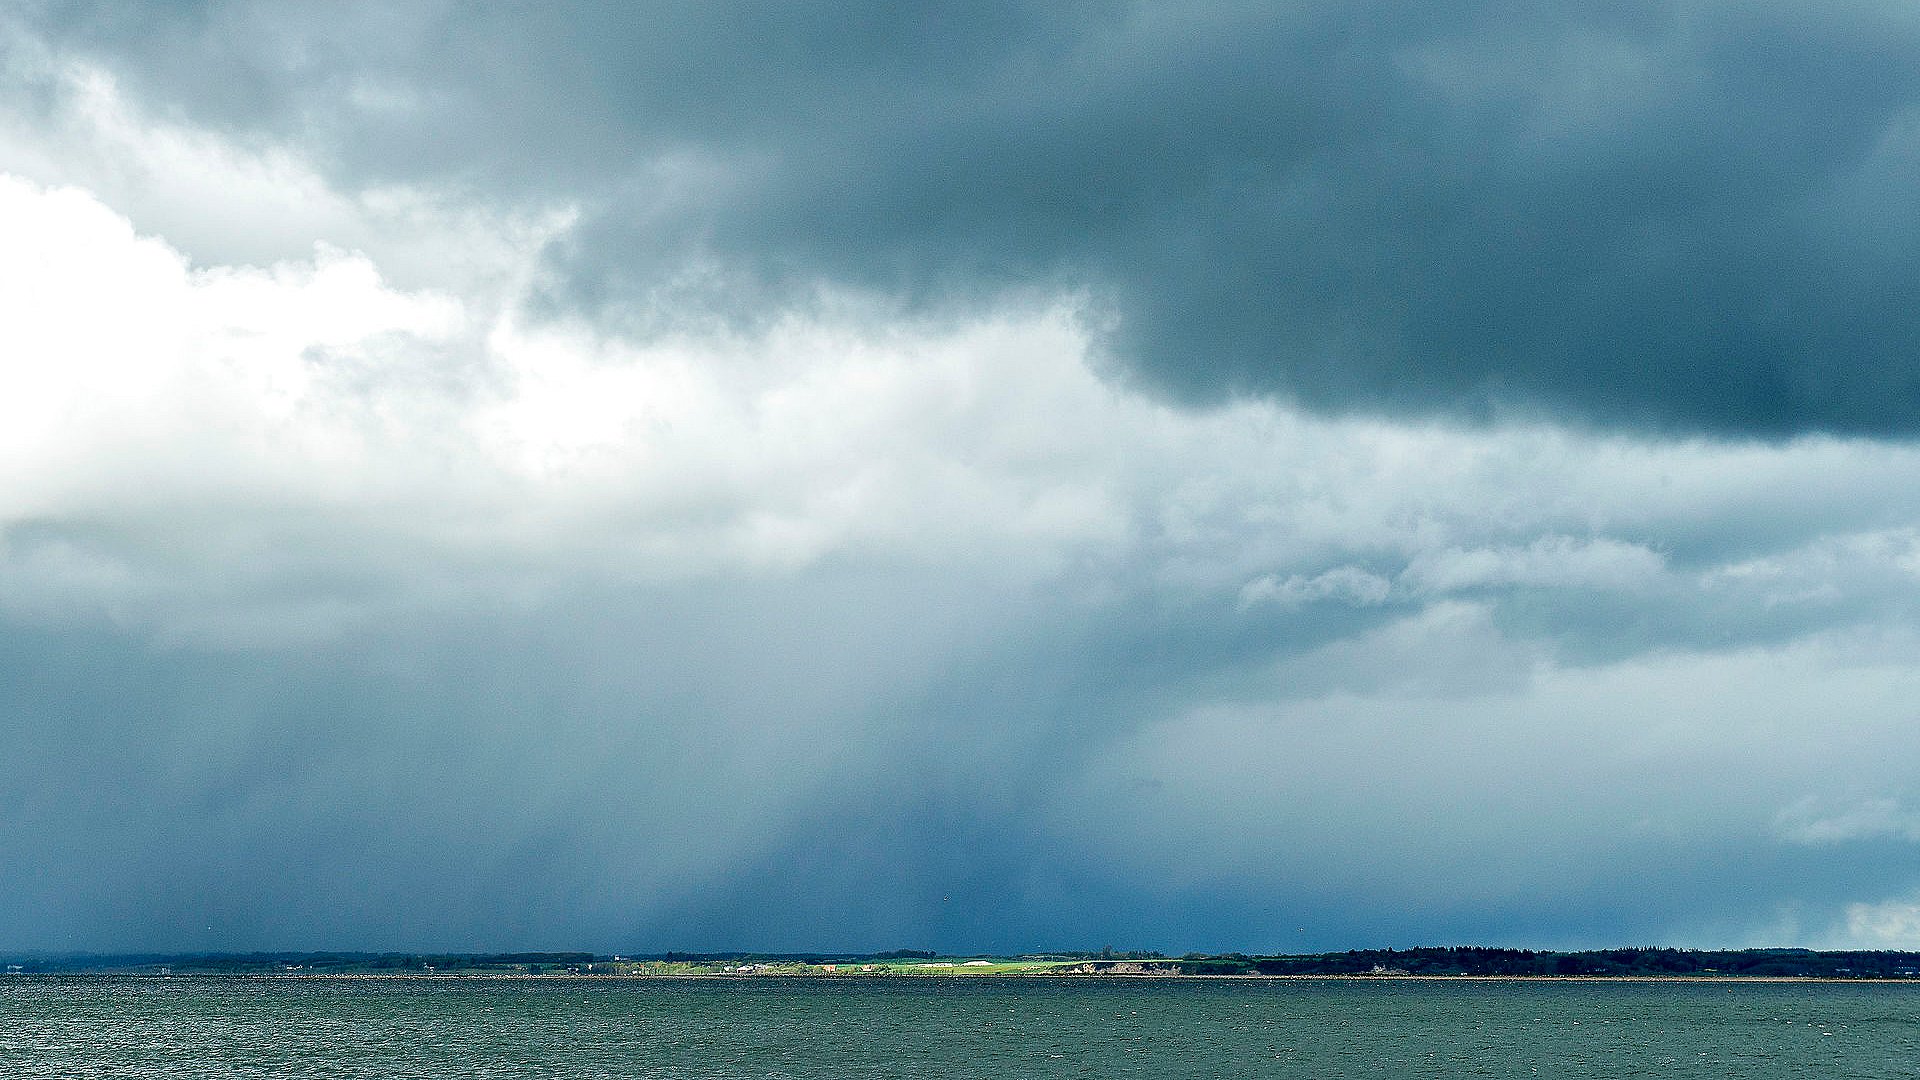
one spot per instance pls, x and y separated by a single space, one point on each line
945 966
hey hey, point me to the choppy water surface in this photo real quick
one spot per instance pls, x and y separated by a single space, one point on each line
976 1027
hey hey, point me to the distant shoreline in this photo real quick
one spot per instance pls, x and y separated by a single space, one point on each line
510 976
1436 964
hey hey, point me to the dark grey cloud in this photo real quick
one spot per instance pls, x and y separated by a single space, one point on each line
1675 215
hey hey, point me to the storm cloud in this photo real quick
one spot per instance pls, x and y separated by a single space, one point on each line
974 476
1685 217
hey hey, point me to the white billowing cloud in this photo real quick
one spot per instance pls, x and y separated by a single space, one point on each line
67 123
1349 584
1548 562
1811 820
86 133
205 431
1885 924
810 439
1827 568
119 356
190 432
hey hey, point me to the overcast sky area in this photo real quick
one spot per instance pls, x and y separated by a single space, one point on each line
972 476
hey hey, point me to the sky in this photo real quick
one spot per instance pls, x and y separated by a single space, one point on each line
976 476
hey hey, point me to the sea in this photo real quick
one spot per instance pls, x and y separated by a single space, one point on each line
793 1027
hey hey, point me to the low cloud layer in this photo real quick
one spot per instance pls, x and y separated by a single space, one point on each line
406 546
